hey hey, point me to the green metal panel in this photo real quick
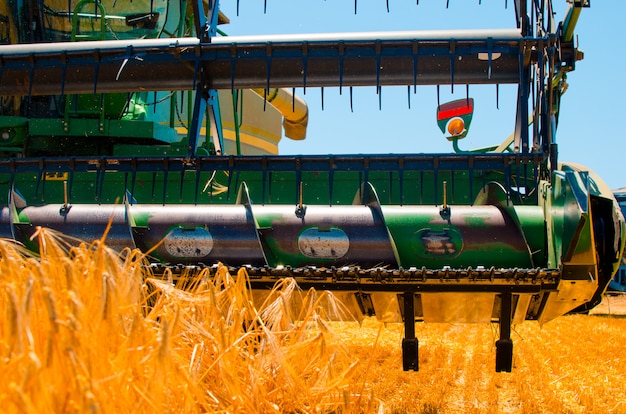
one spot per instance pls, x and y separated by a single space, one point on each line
466 236
45 128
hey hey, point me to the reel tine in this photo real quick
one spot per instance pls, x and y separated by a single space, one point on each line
269 72
471 184
378 48
164 194
182 181
100 184
198 169
263 183
331 180
70 183
40 178
228 186
415 57
421 186
233 61
153 184
269 185
452 59
211 186
340 48
43 184
133 176
408 89
351 102
96 70
305 52
63 72
497 96
436 185
31 79
401 184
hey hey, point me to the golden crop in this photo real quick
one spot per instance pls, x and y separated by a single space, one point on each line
84 329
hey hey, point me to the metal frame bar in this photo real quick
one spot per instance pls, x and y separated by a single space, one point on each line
513 281
393 162
173 64
509 165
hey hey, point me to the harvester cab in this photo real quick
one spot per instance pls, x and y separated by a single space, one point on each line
141 119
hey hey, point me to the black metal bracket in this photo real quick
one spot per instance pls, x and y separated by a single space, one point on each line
504 346
410 353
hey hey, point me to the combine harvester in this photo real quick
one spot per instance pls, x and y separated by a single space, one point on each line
147 128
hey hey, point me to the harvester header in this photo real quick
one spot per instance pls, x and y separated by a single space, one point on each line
146 121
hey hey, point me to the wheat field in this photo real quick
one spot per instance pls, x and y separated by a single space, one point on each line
84 329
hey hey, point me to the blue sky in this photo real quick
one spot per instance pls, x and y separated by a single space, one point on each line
587 133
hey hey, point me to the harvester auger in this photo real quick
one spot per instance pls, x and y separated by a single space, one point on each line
96 133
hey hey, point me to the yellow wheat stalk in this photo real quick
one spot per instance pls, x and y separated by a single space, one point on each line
85 329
